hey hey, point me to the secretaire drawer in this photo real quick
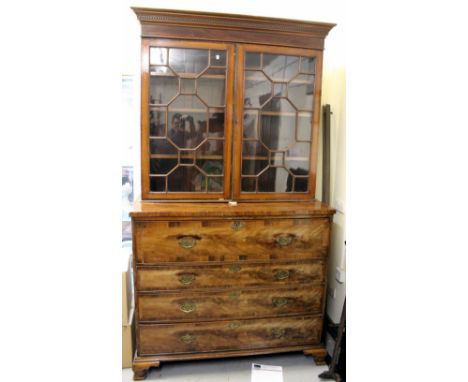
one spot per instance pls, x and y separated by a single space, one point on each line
235 303
160 339
230 240
167 277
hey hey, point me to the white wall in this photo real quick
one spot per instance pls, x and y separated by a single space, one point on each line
333 93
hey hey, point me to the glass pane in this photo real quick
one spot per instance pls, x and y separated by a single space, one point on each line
158 184
186 179
158 56
301 184
161 71
187 85
215 184
257 89
308 65
301 91
187 106
277 123
188 61
211 148
275 179
278 120
250 130
211 87
249 184
218 58
164 156
163 89
304 127
280 68
216 123
280 90
210 166
188 121
157 120
253 60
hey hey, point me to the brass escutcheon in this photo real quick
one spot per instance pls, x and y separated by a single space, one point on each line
186 279
187 307
279 302
284 240
187 242
235 268
282 274
278 332
187 338
234 325
237 225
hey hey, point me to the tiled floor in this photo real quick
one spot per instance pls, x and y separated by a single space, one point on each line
296 368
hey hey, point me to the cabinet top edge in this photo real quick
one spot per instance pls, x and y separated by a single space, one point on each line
231 21
144 209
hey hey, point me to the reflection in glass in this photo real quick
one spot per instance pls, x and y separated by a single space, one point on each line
308 65
218 58
188 61
211 87
257 89
157 121
186 129
216 123
163 89
187 85
157 183
278 120
301 91
252 60
158 56
187 121
275 179
277 136
304 127
248 184
280 68
186 179
250 124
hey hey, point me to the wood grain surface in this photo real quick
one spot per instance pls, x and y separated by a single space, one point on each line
228 275
228 335
217 240
231 304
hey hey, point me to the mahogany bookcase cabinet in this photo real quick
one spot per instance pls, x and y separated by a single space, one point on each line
230 245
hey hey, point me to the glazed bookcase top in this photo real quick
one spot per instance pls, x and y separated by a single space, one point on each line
229 106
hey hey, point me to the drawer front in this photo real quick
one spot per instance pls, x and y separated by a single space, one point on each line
227 240
160 339
229 275
233 304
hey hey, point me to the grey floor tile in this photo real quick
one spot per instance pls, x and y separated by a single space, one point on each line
296 368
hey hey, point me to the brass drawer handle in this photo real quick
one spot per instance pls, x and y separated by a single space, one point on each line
279 302
187 242
234 325
284 240
237 225
235 268
187 338
282 275
277 332
187 307
186 279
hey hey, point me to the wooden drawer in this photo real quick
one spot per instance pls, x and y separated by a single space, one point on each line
229 240
159 339
186 306
227 275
